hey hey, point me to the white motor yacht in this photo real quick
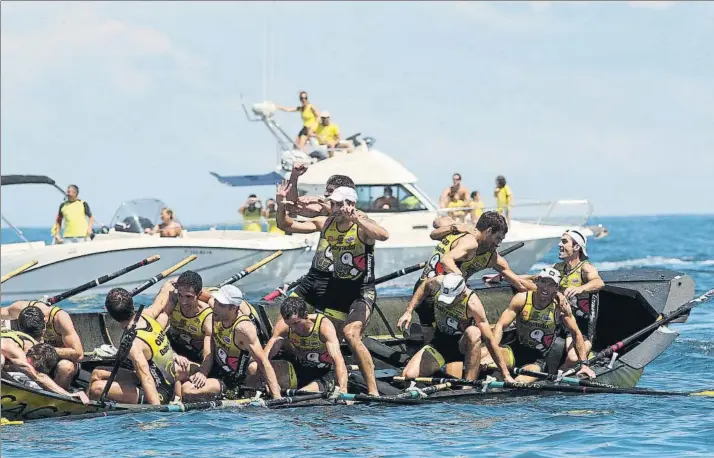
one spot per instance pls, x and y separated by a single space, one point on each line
538 224
220 254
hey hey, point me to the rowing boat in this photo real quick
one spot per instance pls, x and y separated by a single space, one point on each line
630 301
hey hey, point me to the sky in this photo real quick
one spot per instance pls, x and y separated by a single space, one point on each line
611 102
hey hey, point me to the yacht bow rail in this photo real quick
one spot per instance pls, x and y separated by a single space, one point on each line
574 212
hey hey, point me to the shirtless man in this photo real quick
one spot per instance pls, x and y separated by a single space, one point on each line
234 344
168 226
59 333
22 351
457 189
159 371
187 320
351 237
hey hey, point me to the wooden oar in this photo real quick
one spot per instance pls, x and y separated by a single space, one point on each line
554 387
102 280
17 271
250 269
127 338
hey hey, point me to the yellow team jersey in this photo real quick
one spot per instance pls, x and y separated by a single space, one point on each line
456 204
582 305
536 328
74 215
308 116
352 258
25 341
452 319
310 350
231 360
161 363
327 134
186 333
53 337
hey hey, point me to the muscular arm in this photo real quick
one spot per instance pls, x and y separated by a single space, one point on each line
163 302
371 230
141 367
508 316
459 252
12 311
73 349
427 287
519 282
329 336
288 224
592 276
207 352
572 326
477 312
245 332
275 344
14 354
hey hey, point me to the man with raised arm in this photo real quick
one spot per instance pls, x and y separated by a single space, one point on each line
59 332
461 327
351 237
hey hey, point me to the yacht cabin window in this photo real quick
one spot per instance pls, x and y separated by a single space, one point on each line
387 198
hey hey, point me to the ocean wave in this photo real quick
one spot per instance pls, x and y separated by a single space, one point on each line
649 261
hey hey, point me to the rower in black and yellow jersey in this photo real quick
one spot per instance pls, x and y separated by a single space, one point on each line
187 321
461 327
158 370
234 344
59 332
538 315
309 342
351 293
24 352
465 250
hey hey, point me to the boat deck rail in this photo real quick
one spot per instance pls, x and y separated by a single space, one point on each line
562 212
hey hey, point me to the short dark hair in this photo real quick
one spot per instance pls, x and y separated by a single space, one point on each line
252 195
501 180
75 187
31 321
337 181
44 357
473 194
119 304
293 305
457 174
493 220
192 280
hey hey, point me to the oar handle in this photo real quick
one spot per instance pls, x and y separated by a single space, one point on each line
511 249
250 269
157 278
17 271
103 279
400 273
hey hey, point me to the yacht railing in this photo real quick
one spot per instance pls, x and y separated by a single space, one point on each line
557 212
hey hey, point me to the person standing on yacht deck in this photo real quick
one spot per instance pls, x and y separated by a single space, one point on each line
504 198
309 115
74 212
457 189
251 211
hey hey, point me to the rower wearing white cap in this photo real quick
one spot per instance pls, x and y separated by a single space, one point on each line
538 315
579 280
234 343
351 237
461 326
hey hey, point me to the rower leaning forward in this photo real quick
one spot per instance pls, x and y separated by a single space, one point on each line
59 332
351 292
465 251
234 345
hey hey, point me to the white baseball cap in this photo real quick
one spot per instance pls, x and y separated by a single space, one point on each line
325 114
344 193
228 295
549 272
452 285
578 238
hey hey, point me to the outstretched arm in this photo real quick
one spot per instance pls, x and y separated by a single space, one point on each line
477 312
72 349
275 344
508 316
459 252
426 288
519 282
12 311
287 223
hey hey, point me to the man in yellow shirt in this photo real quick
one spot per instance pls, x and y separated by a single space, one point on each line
74 212
504 198
328 134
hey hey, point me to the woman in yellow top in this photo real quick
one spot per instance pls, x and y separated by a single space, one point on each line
504 198
309 115
455 202
477 207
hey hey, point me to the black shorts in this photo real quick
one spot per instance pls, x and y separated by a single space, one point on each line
301 376
425 308
522 355
166 395
445 348
343 296
303 132
181 348
314 288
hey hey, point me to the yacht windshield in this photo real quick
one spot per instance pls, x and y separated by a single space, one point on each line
136 215
387 198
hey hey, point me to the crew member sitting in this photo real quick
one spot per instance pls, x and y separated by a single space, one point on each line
313 349
159 371
22 352
251 211
387 201
538 315
461 324
59 332
328 134
168 226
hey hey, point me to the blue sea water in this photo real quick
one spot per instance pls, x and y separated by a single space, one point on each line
593 426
